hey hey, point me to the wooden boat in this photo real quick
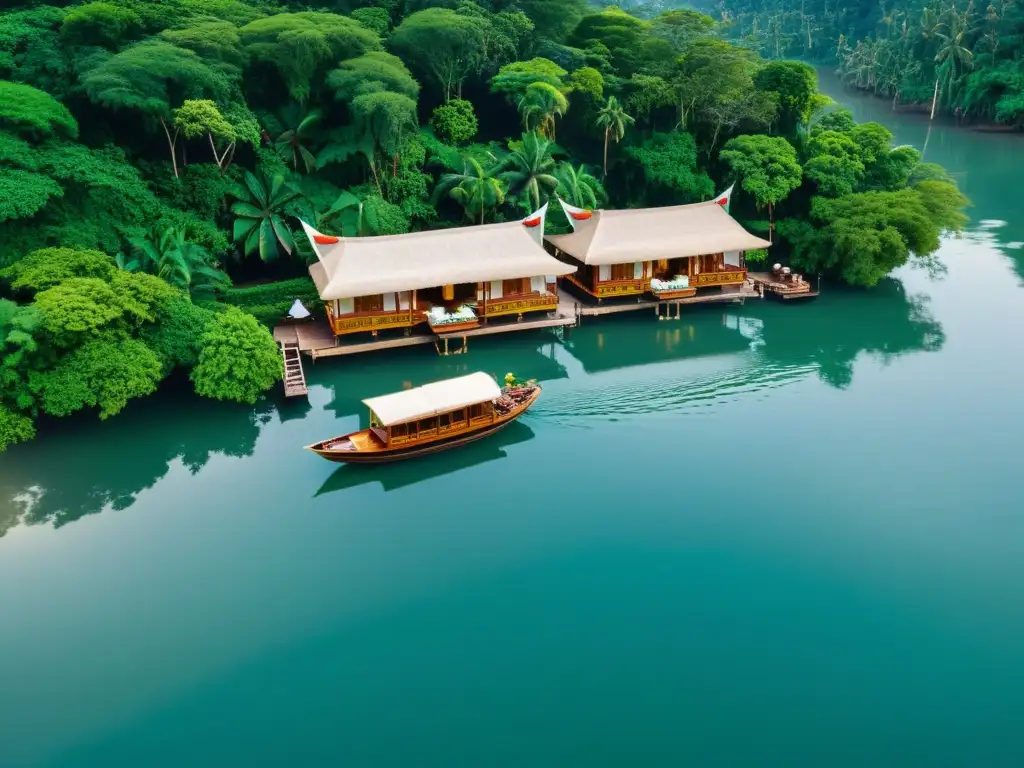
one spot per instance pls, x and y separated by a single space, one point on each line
431 418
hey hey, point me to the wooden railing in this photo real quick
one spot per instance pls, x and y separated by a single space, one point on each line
373 321
718 278
606 288
517 306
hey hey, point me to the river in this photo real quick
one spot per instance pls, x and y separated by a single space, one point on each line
759 535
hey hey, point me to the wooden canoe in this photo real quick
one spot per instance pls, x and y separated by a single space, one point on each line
373 445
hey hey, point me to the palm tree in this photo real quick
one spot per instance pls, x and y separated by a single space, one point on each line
294 127
528 169
954 58
613 118
176 260
475 189
578 187
539 105
260 212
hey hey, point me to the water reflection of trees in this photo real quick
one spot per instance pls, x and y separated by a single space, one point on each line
77 467
827 335
834 330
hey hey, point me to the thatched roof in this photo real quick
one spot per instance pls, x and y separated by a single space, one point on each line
649 234
364 266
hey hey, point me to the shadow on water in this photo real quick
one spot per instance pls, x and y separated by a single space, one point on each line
78 466
529 355
842 324
734 350
405 473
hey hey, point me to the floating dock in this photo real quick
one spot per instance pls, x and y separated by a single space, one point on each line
663 308
315 338
767 284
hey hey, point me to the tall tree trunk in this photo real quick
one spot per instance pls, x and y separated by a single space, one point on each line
607 131
170 143
935 98
771 224
376 179
394 166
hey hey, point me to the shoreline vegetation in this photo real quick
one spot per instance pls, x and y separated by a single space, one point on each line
154 154
959 59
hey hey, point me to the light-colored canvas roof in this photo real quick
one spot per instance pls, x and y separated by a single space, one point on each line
364 266
648 234
432 399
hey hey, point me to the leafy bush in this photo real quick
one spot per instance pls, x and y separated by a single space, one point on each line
14 428
269 302
455 122
238 359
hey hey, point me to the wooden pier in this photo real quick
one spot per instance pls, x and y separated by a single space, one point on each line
294 376
767 284
315 338
663 308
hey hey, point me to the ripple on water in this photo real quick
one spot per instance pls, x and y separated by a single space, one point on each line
667 395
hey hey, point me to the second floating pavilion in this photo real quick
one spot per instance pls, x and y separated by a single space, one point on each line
666 253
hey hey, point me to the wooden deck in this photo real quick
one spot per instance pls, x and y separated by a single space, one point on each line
315 338
767 285
728 294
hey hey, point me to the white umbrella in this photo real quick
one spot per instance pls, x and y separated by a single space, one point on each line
298 312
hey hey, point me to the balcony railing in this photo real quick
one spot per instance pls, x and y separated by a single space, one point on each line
725 277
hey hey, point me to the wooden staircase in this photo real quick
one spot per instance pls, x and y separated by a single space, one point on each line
294 378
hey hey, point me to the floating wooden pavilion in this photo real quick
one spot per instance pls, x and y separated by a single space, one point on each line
451 280
675 253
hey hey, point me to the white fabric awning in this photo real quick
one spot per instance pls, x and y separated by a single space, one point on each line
364 266
650 234
432 399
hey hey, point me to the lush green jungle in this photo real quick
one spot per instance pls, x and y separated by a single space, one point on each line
155 158
965 59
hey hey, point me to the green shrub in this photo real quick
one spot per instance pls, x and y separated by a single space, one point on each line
269 302
238 359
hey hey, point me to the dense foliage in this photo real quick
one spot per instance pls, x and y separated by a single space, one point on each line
84 334
966 58
152 153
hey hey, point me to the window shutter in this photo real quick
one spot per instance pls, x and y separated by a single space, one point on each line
346 306
604 272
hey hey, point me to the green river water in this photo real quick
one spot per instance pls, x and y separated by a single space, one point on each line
760 535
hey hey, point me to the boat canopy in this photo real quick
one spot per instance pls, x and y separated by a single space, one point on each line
433 399
348 267
651 234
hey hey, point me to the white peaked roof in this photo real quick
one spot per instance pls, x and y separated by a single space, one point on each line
432 399
364 266
648 234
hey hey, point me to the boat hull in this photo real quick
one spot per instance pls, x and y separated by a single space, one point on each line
386 455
